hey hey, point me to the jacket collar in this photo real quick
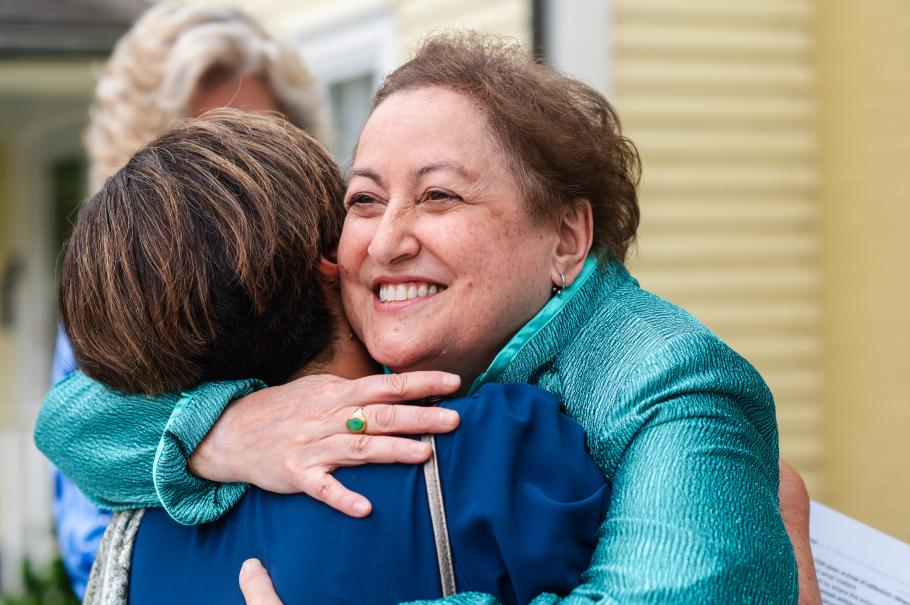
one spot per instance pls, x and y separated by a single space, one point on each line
540 340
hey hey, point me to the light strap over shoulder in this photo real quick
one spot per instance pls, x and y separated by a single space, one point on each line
109 581
438 519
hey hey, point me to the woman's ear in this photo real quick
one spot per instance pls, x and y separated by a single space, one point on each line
328 271
576 235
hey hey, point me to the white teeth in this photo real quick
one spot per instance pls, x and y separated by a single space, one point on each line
409 291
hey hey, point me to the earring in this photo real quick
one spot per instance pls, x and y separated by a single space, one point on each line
558 289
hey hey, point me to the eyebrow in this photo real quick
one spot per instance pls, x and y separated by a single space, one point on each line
436 166
371 174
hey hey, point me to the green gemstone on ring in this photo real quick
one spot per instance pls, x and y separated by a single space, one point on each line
356 425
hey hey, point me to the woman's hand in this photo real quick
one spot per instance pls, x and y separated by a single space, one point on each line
794 509
289 438
256 585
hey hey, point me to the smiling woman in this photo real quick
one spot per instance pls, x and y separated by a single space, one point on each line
448 214
504 191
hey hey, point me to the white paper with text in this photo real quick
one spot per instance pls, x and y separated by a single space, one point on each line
856 564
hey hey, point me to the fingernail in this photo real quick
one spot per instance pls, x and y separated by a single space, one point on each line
451 380
251 565
361 507
419 448
448 416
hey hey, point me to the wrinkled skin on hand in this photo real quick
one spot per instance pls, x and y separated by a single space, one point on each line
290 438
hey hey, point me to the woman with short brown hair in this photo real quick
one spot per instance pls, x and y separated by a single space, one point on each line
146 309
177 60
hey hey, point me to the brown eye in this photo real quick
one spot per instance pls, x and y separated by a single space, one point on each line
359 199
440 195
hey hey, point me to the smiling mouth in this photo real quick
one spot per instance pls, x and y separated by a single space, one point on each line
407 291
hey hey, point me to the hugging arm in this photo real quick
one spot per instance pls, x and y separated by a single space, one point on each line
794 508
689 447
107 442
134 451
694 512
693 518
694 495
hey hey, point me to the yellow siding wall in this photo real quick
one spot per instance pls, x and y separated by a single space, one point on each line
719 96
865 143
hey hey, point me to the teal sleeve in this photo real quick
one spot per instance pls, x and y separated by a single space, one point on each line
690 448
690 451
462 598
187 498
130 451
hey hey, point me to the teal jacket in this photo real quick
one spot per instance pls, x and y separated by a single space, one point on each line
682 427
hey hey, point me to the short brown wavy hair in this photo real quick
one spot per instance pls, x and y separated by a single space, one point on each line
197 260
562 138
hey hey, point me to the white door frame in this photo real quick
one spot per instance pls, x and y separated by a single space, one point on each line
579 40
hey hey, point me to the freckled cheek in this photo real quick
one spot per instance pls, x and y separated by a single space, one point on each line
503 254
356 235
355 296
474 271
353 253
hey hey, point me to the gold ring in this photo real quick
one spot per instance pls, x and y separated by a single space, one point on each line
357 422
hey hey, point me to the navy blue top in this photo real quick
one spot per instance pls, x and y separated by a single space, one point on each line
523 503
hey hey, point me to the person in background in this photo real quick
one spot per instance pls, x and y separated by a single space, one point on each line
176 61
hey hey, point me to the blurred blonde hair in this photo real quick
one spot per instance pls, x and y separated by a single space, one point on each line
159 65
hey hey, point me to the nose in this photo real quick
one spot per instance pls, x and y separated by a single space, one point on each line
394 240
